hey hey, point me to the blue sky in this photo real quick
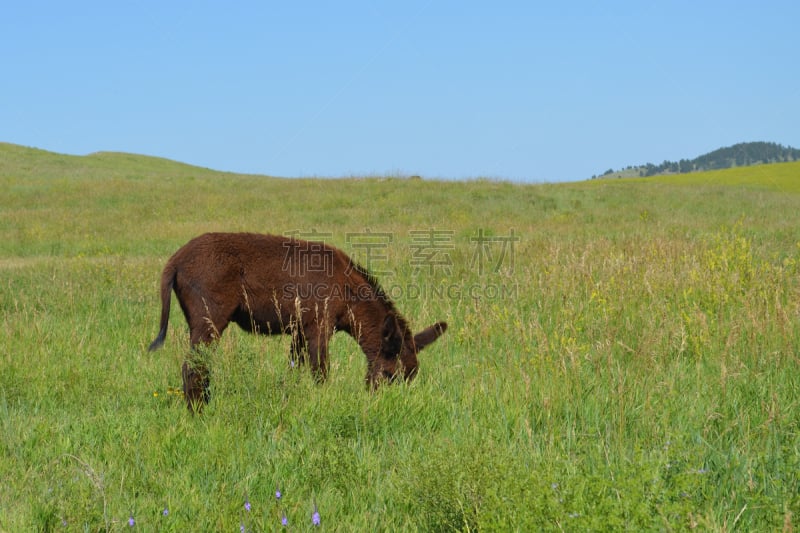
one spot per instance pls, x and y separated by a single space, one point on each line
528 91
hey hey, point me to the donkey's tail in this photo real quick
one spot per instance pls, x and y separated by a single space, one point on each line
167 283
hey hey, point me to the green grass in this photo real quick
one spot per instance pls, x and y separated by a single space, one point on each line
633 365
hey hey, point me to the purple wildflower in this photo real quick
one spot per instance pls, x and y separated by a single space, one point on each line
131 521
165 512
278 493
246 504
284 520
315 516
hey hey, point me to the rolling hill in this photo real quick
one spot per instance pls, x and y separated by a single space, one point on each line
738 155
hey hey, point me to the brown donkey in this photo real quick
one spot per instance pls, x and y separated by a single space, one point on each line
270 284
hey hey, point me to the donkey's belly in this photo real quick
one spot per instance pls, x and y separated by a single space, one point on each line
263 323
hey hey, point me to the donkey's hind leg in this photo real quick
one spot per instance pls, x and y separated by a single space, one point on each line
195 384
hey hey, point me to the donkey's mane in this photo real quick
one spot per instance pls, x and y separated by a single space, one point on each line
376 287
373 282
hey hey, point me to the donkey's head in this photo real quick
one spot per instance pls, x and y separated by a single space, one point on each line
399 349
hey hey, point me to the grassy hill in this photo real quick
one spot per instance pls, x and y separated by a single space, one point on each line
738 155
781 177
622 354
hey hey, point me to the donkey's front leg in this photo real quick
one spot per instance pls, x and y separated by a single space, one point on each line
297 354
317 344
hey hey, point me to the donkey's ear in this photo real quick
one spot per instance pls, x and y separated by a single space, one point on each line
392 337
429 334
390 327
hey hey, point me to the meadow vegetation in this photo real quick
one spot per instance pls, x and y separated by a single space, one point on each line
622 354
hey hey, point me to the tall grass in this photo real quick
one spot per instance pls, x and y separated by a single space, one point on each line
629 363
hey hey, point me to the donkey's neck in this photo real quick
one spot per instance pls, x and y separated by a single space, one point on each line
365 324
367 313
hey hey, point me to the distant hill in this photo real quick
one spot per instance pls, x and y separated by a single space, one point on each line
738 155
17 158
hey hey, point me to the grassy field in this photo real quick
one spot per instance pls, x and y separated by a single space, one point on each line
622 354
